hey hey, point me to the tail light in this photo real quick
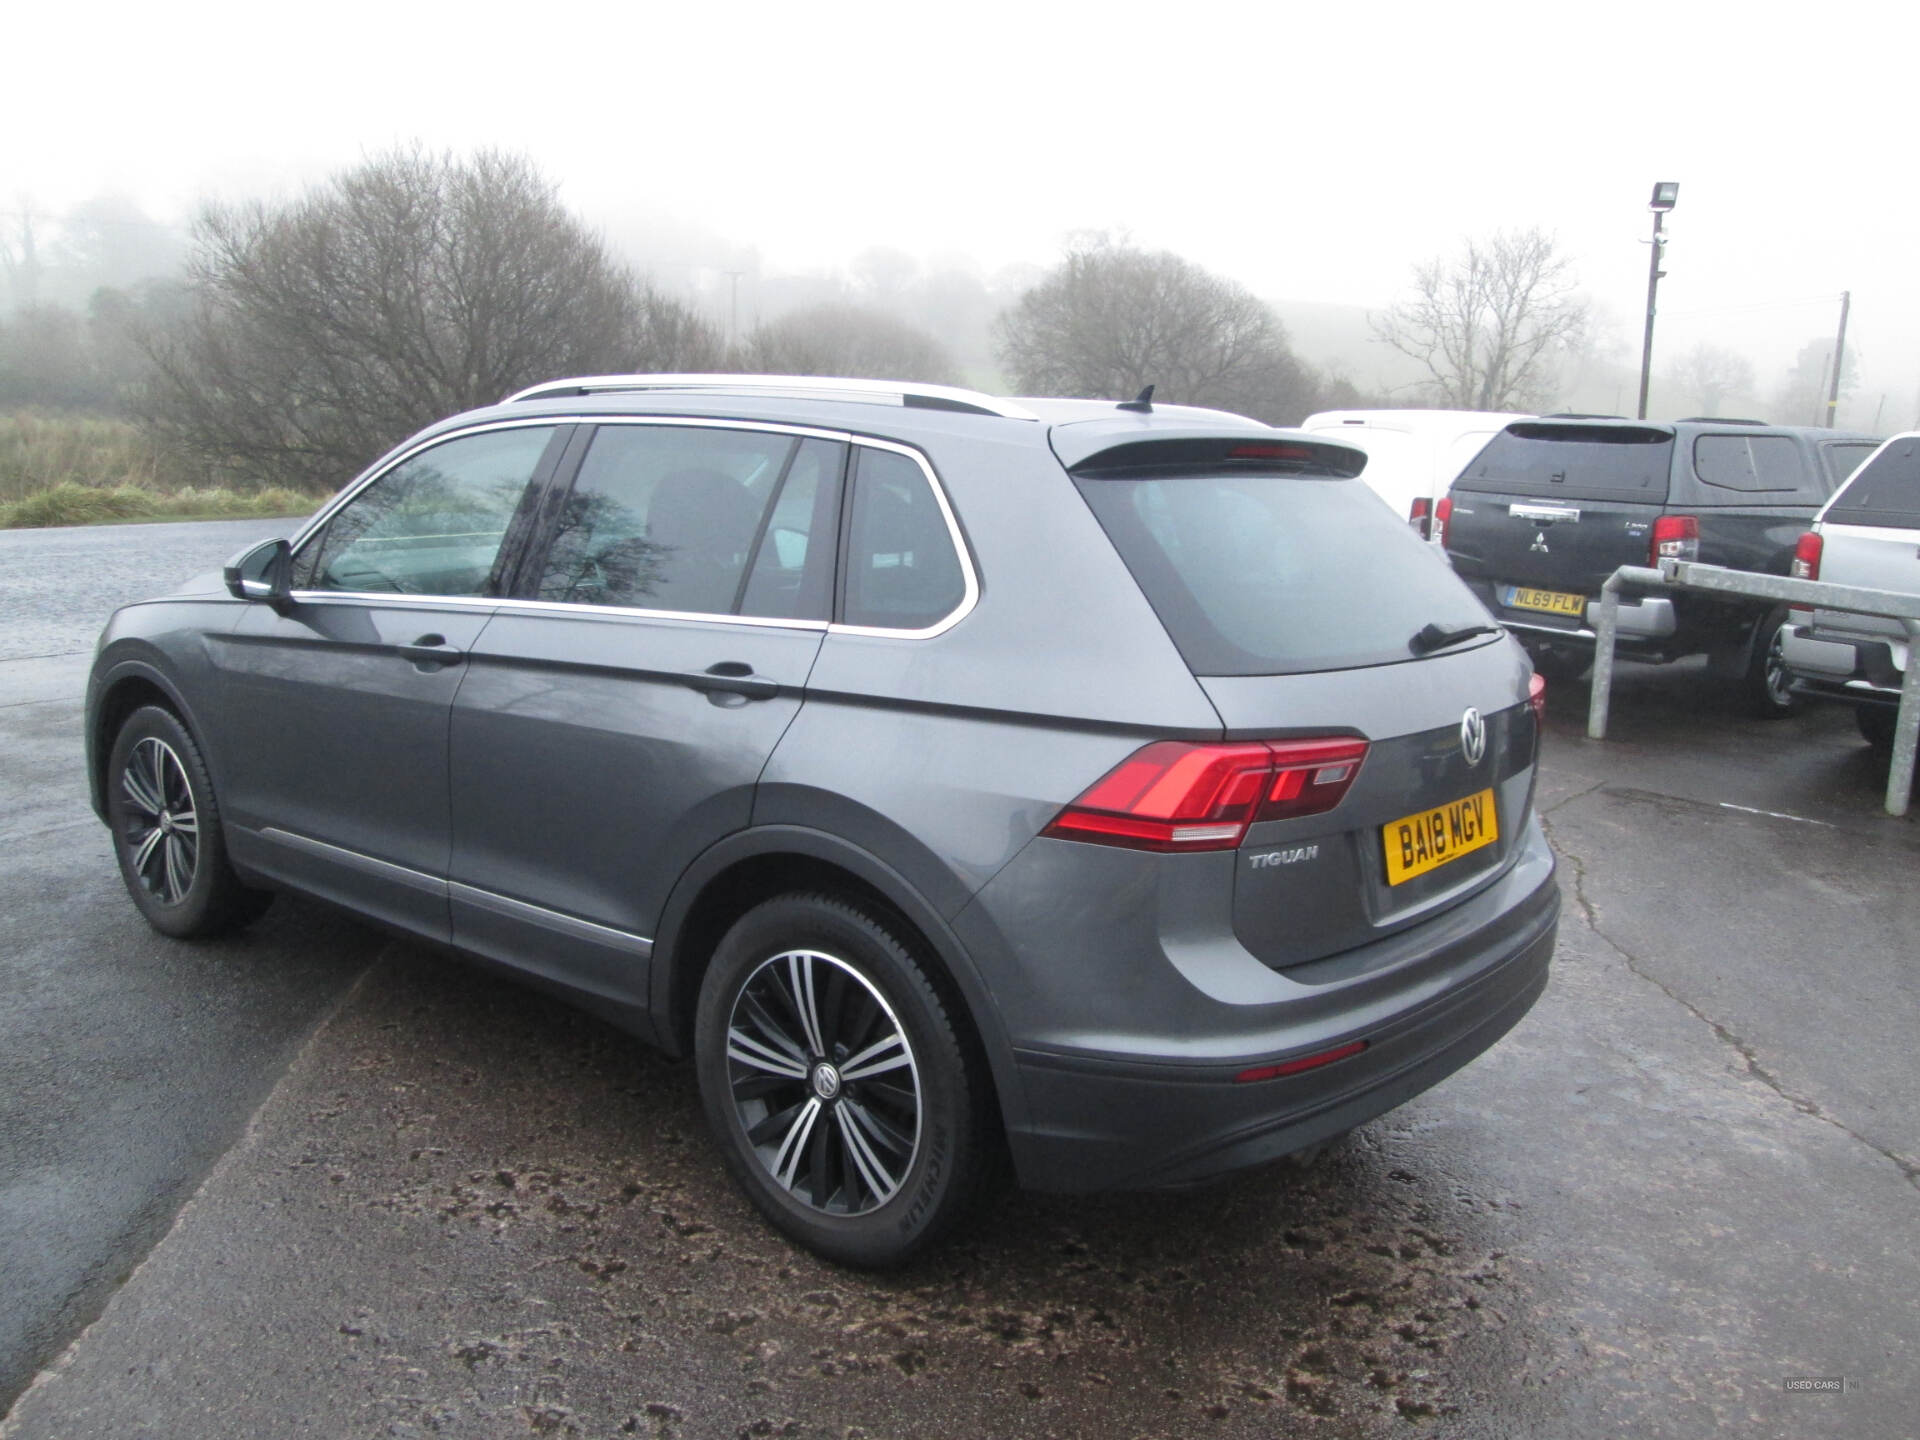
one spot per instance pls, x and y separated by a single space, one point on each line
1171 796
1537 697
1806 556
1429 520
1675 537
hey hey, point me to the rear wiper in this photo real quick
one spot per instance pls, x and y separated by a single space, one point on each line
1431 637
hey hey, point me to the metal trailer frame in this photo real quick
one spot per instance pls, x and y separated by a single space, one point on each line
1813 594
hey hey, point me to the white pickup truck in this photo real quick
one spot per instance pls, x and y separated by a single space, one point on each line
1868 534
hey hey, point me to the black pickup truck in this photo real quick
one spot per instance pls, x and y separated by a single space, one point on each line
1552 507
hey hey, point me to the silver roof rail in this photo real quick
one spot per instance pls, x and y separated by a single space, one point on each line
795 387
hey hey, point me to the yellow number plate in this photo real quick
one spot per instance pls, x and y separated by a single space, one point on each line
1554 602
1418 843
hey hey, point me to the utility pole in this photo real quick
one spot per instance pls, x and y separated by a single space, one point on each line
1839 355
733 305
1665 193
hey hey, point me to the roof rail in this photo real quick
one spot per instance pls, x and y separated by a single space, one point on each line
1715 420
799 387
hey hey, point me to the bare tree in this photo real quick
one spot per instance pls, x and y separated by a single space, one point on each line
837 339
1490 324
325 330
1110 319
1711 375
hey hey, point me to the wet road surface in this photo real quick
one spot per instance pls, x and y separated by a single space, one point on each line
1687 1176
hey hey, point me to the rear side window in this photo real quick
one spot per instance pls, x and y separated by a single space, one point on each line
665 517
1276 574
1884 491
1766 464
1843 458
1592 462
902 570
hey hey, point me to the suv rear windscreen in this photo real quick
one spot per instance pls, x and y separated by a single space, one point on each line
1262 574
1884 491
1587 462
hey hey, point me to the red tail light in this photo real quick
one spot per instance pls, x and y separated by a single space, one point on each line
1172 796
1537 697
1806 556
1675 537
1442 513
1420 516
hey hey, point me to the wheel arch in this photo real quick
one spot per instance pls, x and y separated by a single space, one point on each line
755 865
117 693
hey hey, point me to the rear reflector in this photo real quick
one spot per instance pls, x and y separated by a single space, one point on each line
1173 796
1806 557
1675 537
1294 1067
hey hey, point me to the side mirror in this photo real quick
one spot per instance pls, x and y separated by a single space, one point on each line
262 573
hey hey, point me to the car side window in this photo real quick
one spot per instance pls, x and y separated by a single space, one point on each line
902 572
665 517
432 525
792 575
1771 463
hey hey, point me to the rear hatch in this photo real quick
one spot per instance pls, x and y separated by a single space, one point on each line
1550 509
1870 536
1309 613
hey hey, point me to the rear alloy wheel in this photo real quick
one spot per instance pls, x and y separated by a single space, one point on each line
836 1082
166 831
1767 685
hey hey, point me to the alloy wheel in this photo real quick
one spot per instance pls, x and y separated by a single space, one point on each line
824 1082
161 825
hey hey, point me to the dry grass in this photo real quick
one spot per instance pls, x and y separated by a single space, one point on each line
90 470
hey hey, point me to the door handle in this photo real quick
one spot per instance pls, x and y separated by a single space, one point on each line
432 650
733 677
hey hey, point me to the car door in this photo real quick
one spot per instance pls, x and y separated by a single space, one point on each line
335 707
617 713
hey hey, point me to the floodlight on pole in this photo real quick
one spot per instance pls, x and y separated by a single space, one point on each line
1665 195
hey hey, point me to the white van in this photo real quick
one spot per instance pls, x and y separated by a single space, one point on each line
1412 454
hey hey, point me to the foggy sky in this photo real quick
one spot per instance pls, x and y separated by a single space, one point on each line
1310 155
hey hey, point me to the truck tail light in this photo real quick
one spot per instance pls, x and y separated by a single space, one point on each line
1171 796
1675 537
1806 557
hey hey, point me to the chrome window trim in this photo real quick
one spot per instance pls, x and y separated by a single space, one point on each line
970 594
555 920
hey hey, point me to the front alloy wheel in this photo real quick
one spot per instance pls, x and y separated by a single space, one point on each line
842 1089
159 824
166 830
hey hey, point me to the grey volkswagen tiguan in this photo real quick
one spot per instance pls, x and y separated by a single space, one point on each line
1123 785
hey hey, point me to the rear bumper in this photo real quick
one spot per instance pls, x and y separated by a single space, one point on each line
1863 673
1647 620
1167 1111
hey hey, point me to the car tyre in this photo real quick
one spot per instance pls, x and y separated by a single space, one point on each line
1877 724
1767 683
1561 667
167 834
837 1081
